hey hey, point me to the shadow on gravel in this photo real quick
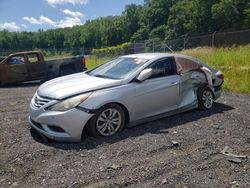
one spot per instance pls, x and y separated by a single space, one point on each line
155 127
22 85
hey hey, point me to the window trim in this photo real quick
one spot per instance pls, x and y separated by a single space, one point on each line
13 56
161 59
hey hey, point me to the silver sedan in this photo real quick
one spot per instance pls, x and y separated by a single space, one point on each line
126 91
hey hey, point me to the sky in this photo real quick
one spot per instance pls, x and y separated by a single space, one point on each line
31 15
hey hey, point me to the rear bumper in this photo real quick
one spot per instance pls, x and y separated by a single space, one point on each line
217 91
217 94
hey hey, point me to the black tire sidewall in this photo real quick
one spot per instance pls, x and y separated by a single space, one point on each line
91 127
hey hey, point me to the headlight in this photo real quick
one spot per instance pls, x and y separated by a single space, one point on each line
69 103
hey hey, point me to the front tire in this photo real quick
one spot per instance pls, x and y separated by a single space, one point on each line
205 98
107 121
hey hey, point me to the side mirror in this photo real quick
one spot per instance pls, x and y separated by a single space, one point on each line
145 74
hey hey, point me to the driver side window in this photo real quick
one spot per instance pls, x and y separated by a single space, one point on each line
163 67
16 60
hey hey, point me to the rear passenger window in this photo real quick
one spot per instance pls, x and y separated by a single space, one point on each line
33 58
164 67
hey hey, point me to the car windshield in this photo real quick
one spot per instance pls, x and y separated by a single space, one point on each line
119 68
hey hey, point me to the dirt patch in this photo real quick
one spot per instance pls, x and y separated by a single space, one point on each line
178 151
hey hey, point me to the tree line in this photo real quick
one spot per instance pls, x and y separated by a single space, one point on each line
156 19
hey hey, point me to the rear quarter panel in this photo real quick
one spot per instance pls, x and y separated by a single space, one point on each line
189 83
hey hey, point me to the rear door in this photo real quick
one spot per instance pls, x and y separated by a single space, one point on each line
36 66
159 93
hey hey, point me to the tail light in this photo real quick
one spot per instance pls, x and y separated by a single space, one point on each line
220 76
83 61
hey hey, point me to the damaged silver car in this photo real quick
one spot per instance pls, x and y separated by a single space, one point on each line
126 91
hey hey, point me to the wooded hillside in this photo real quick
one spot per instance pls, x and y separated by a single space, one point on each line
156 19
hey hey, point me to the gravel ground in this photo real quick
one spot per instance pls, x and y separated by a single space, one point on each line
179 151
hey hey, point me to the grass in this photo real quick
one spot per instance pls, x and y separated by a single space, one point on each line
234 62
93 61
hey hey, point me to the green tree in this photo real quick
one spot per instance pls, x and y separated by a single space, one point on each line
225 14
156 20
152 15
131 20
247 15
182 19
158 32
156 12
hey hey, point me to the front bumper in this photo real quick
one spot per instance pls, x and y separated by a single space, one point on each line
60 126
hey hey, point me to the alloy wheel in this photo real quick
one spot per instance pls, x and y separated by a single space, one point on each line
207 99
109 122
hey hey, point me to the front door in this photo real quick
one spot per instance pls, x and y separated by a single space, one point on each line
159 93
14 69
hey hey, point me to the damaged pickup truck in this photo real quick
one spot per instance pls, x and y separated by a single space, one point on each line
30 65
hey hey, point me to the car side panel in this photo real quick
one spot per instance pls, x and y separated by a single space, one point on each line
13 73
123 94
36 69
189 82
156 96
140 100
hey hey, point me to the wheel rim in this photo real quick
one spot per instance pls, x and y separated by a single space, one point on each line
109 122
207 99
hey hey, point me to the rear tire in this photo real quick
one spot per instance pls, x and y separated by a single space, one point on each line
205 98
107 121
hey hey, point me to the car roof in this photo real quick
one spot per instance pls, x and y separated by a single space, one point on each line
25 52
150 56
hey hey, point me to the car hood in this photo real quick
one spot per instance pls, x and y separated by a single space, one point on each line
74 84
